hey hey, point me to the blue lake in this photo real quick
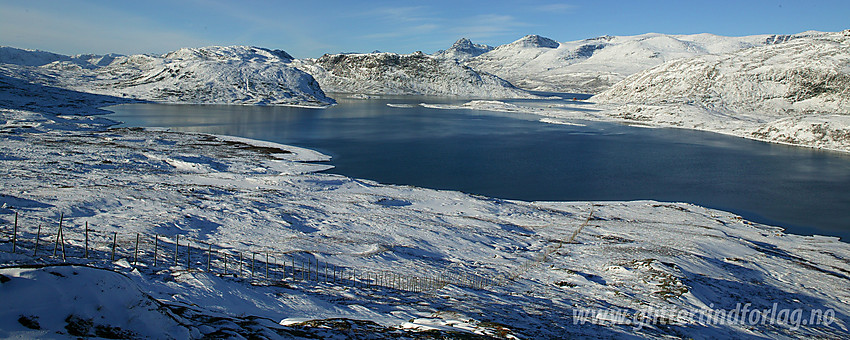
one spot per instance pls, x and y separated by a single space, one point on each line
514 156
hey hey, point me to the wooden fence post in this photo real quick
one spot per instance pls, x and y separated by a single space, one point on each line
155 248
58 235
209 256
86 252
176 247
114 242
15 234
188 256
37 237
267 265
136 251
224 259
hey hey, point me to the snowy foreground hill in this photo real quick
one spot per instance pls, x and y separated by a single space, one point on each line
592 65
797 92
212 75
413 74
543 269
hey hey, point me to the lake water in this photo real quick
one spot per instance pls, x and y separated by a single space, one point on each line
515 156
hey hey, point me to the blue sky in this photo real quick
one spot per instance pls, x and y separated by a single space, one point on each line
312 28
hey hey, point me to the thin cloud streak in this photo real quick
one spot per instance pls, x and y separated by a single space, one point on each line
31 28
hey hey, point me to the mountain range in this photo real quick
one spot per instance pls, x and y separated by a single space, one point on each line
736 85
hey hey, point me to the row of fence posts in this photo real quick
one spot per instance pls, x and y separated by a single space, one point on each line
218 260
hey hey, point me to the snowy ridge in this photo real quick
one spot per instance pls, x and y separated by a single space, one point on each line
593 65
463 50
751 93
209 75
416 73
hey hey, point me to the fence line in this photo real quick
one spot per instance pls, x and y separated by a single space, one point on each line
97 248
542 257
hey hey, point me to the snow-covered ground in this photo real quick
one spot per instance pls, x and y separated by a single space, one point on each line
555 269
211 75
592 65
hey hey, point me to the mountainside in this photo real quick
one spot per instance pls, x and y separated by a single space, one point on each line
759 87
209 75
804 75
416 73
463 50
593 65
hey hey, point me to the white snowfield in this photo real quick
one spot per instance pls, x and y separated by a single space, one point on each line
209 75
592 65
561 269
409 74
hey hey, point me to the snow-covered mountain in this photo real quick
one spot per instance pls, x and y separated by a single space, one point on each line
463 50
219 75
758 88
416 73
592 65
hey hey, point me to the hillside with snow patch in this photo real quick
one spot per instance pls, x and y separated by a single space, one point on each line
412 74
208 75
592 65
797 92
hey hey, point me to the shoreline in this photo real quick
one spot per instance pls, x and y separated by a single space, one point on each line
755 217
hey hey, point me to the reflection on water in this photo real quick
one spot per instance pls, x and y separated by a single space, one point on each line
517 157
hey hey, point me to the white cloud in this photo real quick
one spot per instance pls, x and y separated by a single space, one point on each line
556 8
412 14
488 25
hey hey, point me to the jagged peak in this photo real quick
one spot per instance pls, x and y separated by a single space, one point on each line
464 49
534 40
463 41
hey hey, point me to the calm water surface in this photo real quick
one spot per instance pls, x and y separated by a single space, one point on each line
515 156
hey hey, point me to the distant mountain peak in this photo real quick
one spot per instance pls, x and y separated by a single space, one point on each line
464 49
537 41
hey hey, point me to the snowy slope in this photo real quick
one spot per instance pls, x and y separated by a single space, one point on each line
753 92
209 75
463 50
593 65
417 73
551 265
